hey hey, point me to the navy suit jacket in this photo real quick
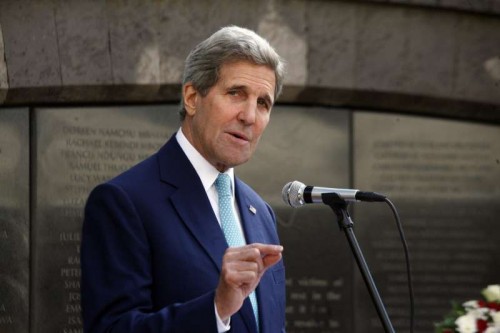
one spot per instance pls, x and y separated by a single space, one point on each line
152 251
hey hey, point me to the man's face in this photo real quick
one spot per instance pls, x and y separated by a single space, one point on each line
225 126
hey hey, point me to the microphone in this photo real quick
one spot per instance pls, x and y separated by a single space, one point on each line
297 194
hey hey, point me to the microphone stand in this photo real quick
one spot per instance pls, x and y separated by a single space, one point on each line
339 207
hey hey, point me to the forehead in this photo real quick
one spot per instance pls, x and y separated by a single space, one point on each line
249 75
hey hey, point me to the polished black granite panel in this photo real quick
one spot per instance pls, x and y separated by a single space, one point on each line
14 220
76 149
443 176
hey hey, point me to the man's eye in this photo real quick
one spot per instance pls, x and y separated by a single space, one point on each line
233 92
262 102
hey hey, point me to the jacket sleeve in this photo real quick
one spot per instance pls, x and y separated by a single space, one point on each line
116 281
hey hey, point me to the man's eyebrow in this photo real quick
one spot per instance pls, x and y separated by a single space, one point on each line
237 87
267 97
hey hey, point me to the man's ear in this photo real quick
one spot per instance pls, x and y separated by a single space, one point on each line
190 95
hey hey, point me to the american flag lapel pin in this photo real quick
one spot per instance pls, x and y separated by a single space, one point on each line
252 209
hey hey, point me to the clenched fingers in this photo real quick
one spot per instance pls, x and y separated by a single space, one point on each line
263 255
242 268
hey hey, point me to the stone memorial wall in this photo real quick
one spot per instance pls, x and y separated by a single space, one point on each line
442 175
430 58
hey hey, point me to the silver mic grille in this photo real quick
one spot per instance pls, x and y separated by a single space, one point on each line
293 193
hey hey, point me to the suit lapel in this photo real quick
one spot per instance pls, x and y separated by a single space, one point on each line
198 216
191 201
250 218
253 225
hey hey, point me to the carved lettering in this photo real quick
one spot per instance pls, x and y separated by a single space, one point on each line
73 330
70 272
70 236
73 308
72 284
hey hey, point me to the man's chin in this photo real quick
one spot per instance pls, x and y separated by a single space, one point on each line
234 162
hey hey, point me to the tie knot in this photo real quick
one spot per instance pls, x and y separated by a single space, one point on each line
223 185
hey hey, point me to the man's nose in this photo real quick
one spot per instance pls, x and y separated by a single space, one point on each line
248 112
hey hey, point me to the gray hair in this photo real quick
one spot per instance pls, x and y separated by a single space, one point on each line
228 44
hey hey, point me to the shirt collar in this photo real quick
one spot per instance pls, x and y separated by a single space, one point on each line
206 171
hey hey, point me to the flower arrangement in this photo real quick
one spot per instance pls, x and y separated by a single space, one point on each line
475 316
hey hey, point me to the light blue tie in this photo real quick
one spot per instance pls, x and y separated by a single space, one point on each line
229 223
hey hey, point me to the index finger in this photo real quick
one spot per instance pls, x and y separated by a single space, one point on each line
268 249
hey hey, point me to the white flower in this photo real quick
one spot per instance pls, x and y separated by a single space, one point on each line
492 293
473 309
466 324
492 329
471 305
495 315
479 313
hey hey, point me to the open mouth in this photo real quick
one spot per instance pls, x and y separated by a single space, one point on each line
239 136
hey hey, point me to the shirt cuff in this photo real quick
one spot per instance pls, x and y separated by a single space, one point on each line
221 326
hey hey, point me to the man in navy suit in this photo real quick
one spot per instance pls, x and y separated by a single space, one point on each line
154 257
